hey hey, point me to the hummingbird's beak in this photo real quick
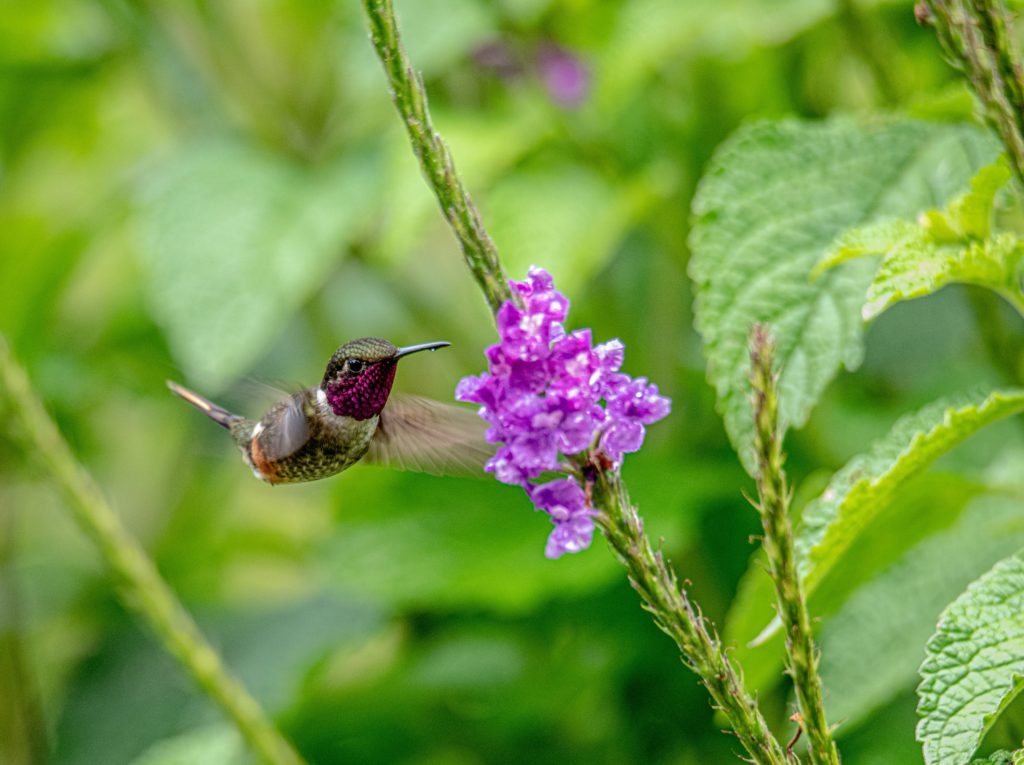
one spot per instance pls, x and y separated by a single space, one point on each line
421 347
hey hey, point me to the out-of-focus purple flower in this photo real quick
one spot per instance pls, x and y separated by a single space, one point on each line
549 393
566 77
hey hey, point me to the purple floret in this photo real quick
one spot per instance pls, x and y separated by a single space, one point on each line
543 394
566 504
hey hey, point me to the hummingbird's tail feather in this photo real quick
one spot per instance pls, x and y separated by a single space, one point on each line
218 414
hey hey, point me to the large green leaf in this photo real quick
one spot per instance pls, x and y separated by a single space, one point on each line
954 245
974 664
774 197
871 648
234 239
863 488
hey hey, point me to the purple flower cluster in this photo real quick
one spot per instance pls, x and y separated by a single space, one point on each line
543 398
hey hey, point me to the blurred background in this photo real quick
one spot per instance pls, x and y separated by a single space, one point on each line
220 193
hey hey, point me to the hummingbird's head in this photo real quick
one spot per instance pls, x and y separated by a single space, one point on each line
359 375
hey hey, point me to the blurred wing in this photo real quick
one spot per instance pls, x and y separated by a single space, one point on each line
264 392
290 430
421 434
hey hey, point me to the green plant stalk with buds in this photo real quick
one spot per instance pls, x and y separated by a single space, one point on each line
140 584
681 619
773 503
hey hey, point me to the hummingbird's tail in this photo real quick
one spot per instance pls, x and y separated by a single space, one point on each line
218 414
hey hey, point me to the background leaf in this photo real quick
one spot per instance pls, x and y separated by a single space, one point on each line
131 679
234 239
566 217
217 745
973 666
871 646
774 197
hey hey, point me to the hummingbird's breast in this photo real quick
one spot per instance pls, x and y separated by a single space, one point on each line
301 439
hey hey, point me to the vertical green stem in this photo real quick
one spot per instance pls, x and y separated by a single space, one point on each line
410 98
773 505
682 620
140 585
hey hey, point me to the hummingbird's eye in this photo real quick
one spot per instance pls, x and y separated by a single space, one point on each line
354 365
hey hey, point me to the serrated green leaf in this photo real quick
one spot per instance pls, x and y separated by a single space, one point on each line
234 239
864 486
1002 757
970 214
954 245
974 664
917 269
774 197
896 612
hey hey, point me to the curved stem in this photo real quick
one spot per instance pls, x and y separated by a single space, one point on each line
681 619
139 583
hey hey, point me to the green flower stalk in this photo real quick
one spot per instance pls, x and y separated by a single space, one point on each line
773 506
681 620
410 97
139 582
619 520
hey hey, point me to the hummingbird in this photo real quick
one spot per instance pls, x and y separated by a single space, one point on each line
351 416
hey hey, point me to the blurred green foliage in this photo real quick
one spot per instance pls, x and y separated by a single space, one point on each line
220 192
